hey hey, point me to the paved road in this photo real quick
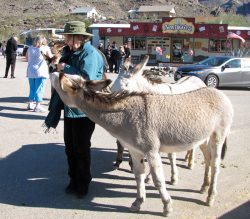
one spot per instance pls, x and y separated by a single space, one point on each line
33 168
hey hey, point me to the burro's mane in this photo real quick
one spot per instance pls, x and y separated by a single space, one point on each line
152 78
109 98
122 97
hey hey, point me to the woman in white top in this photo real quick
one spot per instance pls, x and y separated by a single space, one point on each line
37 72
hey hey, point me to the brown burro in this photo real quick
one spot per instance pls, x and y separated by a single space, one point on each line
148 124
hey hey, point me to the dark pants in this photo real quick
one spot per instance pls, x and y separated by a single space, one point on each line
77 135
119 62
110 65
117 66
10 61
114 63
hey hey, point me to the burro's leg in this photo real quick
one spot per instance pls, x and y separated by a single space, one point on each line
174 170
139 171
215 144
187 155
130 162
156 169
119 156
190 158
148 178
207 157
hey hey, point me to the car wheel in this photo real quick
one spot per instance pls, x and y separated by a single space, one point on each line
212 81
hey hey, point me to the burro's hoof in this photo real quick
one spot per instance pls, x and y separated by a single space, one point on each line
203 189
148 180
190 166
174 181
210 202
166 213
116 166
134 208
167 210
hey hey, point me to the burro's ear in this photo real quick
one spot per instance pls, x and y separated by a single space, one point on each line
138 69
124 68
71 83
97 85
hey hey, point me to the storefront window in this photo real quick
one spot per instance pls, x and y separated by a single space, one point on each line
137 43
217 45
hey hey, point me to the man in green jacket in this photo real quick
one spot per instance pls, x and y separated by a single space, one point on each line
81 58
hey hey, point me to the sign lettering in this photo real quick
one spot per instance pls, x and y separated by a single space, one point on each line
178 26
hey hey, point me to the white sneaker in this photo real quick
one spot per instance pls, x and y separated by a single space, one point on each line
40 109
31 106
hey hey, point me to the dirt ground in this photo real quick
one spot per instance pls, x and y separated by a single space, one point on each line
33 168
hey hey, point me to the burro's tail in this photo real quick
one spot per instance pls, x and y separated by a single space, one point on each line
224 149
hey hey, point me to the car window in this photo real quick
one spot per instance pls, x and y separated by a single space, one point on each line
214 61
246 63
236 63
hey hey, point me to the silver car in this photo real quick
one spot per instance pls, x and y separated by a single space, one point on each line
219 71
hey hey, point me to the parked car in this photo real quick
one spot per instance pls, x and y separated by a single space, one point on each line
219 71
21 49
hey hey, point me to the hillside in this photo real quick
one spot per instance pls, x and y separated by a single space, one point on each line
17 16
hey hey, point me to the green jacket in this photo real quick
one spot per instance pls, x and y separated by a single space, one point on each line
86 62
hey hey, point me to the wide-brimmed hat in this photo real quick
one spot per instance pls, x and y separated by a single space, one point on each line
75 27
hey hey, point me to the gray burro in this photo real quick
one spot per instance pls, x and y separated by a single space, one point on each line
144 123
33 165
139 79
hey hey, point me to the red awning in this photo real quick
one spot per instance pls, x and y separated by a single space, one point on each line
232 35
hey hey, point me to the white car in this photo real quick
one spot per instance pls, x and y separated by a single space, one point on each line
21 49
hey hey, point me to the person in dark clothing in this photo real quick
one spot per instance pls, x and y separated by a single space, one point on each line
11 54
127 51
108 57
3 48
115 56
121 57
81 58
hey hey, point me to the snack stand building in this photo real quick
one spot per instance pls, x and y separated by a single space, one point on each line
175 40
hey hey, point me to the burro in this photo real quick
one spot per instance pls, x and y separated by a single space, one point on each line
144 123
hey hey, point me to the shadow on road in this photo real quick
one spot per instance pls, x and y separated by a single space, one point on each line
36 176
21 116
15 109
241 212
13 99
